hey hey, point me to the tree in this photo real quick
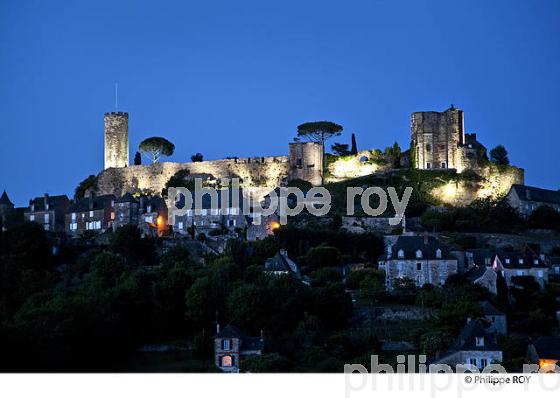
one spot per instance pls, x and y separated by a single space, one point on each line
197 157
544 217
319 131
137 159
354 150
499 155
88 183
156 147
393 153
340 149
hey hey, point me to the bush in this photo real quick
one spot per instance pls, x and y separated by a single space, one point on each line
323 256
545 217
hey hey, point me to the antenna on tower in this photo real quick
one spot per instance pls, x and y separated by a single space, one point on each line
116 96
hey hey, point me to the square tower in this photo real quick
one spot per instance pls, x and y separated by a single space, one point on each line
116 139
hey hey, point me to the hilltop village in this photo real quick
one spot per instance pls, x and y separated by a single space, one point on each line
102 282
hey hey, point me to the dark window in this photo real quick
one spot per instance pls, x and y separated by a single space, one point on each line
299 163
428 165
419 266
443 165
428 147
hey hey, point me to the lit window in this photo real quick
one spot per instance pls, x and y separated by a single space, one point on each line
507 260
149 209
46 218
418 253
32 217
180 225
91 213
438 253
73 216
227 361
226 344
520 261
401 253
479 341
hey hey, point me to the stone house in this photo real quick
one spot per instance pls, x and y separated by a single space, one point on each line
153 216
281 264
127 210
48 211
495 318
527 199
214 214
546 352
421 259
484 276
511 264
475 346
231 346
94 213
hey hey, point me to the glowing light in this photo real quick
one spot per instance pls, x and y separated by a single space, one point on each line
160 221
274 225
449 192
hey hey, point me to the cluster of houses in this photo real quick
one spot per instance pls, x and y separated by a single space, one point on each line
59 214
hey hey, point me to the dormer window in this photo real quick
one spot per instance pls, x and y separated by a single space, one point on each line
226 344
536 262
438 253
418 253
32 207
520 261
507 260
400 254
479 341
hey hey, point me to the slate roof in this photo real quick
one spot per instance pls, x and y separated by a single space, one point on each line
548 347
534 194
466 341
54 201
528 256
127 198
475 272
157 203
248 343
489 309
252 344
277 263
99 202
428 246
5 200
230 332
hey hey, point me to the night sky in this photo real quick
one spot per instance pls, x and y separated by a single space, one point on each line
235 78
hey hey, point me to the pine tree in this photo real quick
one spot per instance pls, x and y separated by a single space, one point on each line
137 159
354 150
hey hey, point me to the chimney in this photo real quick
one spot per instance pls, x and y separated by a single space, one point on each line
46 200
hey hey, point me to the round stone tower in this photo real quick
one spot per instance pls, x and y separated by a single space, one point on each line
116 139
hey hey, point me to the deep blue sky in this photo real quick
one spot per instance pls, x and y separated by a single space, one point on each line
236 77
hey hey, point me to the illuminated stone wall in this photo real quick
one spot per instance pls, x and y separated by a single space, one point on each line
496 182
259 172
353 166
